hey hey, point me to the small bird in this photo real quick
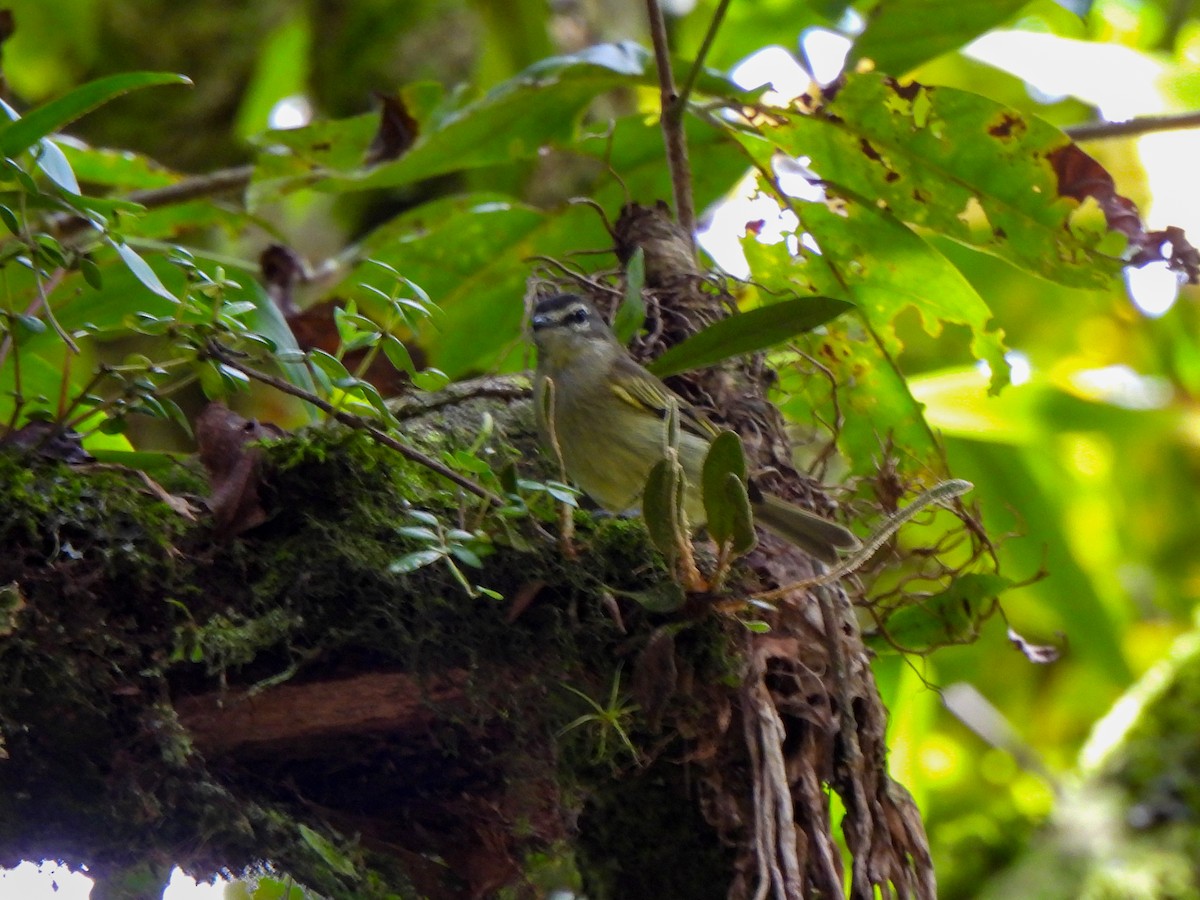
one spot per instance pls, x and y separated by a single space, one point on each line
609 425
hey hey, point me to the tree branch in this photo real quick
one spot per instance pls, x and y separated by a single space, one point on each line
218 182
357 422
292 714
672 124
698 63
221 181
1091 131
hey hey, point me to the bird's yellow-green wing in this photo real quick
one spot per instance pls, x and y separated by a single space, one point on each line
637 387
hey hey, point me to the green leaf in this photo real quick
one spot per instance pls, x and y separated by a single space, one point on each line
743 536
880 402
661 507
664 597
121 169
959 164
50 117
419 532
537 107
902 34
333 368
748 332
430 380
467 557
50 159
631 314
725 457
31 324
330 854
870 258
145 460
281 70
91 273
418 559
142 272
398 355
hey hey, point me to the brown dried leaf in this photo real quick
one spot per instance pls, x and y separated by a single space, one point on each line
1081 177
398 131
282 271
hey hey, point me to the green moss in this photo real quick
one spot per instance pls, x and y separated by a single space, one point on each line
68 514
128 604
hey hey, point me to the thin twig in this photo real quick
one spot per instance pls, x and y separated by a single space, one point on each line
672 123
698 62
219 182
210 184
220 353
1092 131
940 493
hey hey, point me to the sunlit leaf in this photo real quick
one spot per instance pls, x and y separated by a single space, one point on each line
902 34
870 258
880 407
954 162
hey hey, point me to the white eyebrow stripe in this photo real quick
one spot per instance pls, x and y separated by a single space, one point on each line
560 315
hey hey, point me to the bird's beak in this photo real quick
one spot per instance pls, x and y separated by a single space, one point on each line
539 322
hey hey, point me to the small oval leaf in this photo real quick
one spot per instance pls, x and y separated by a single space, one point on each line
659 507
725 458
142 272
410 562
742 535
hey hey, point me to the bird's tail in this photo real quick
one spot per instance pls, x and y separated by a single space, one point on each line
818 537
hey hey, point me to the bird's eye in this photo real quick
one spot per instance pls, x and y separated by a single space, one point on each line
577 316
